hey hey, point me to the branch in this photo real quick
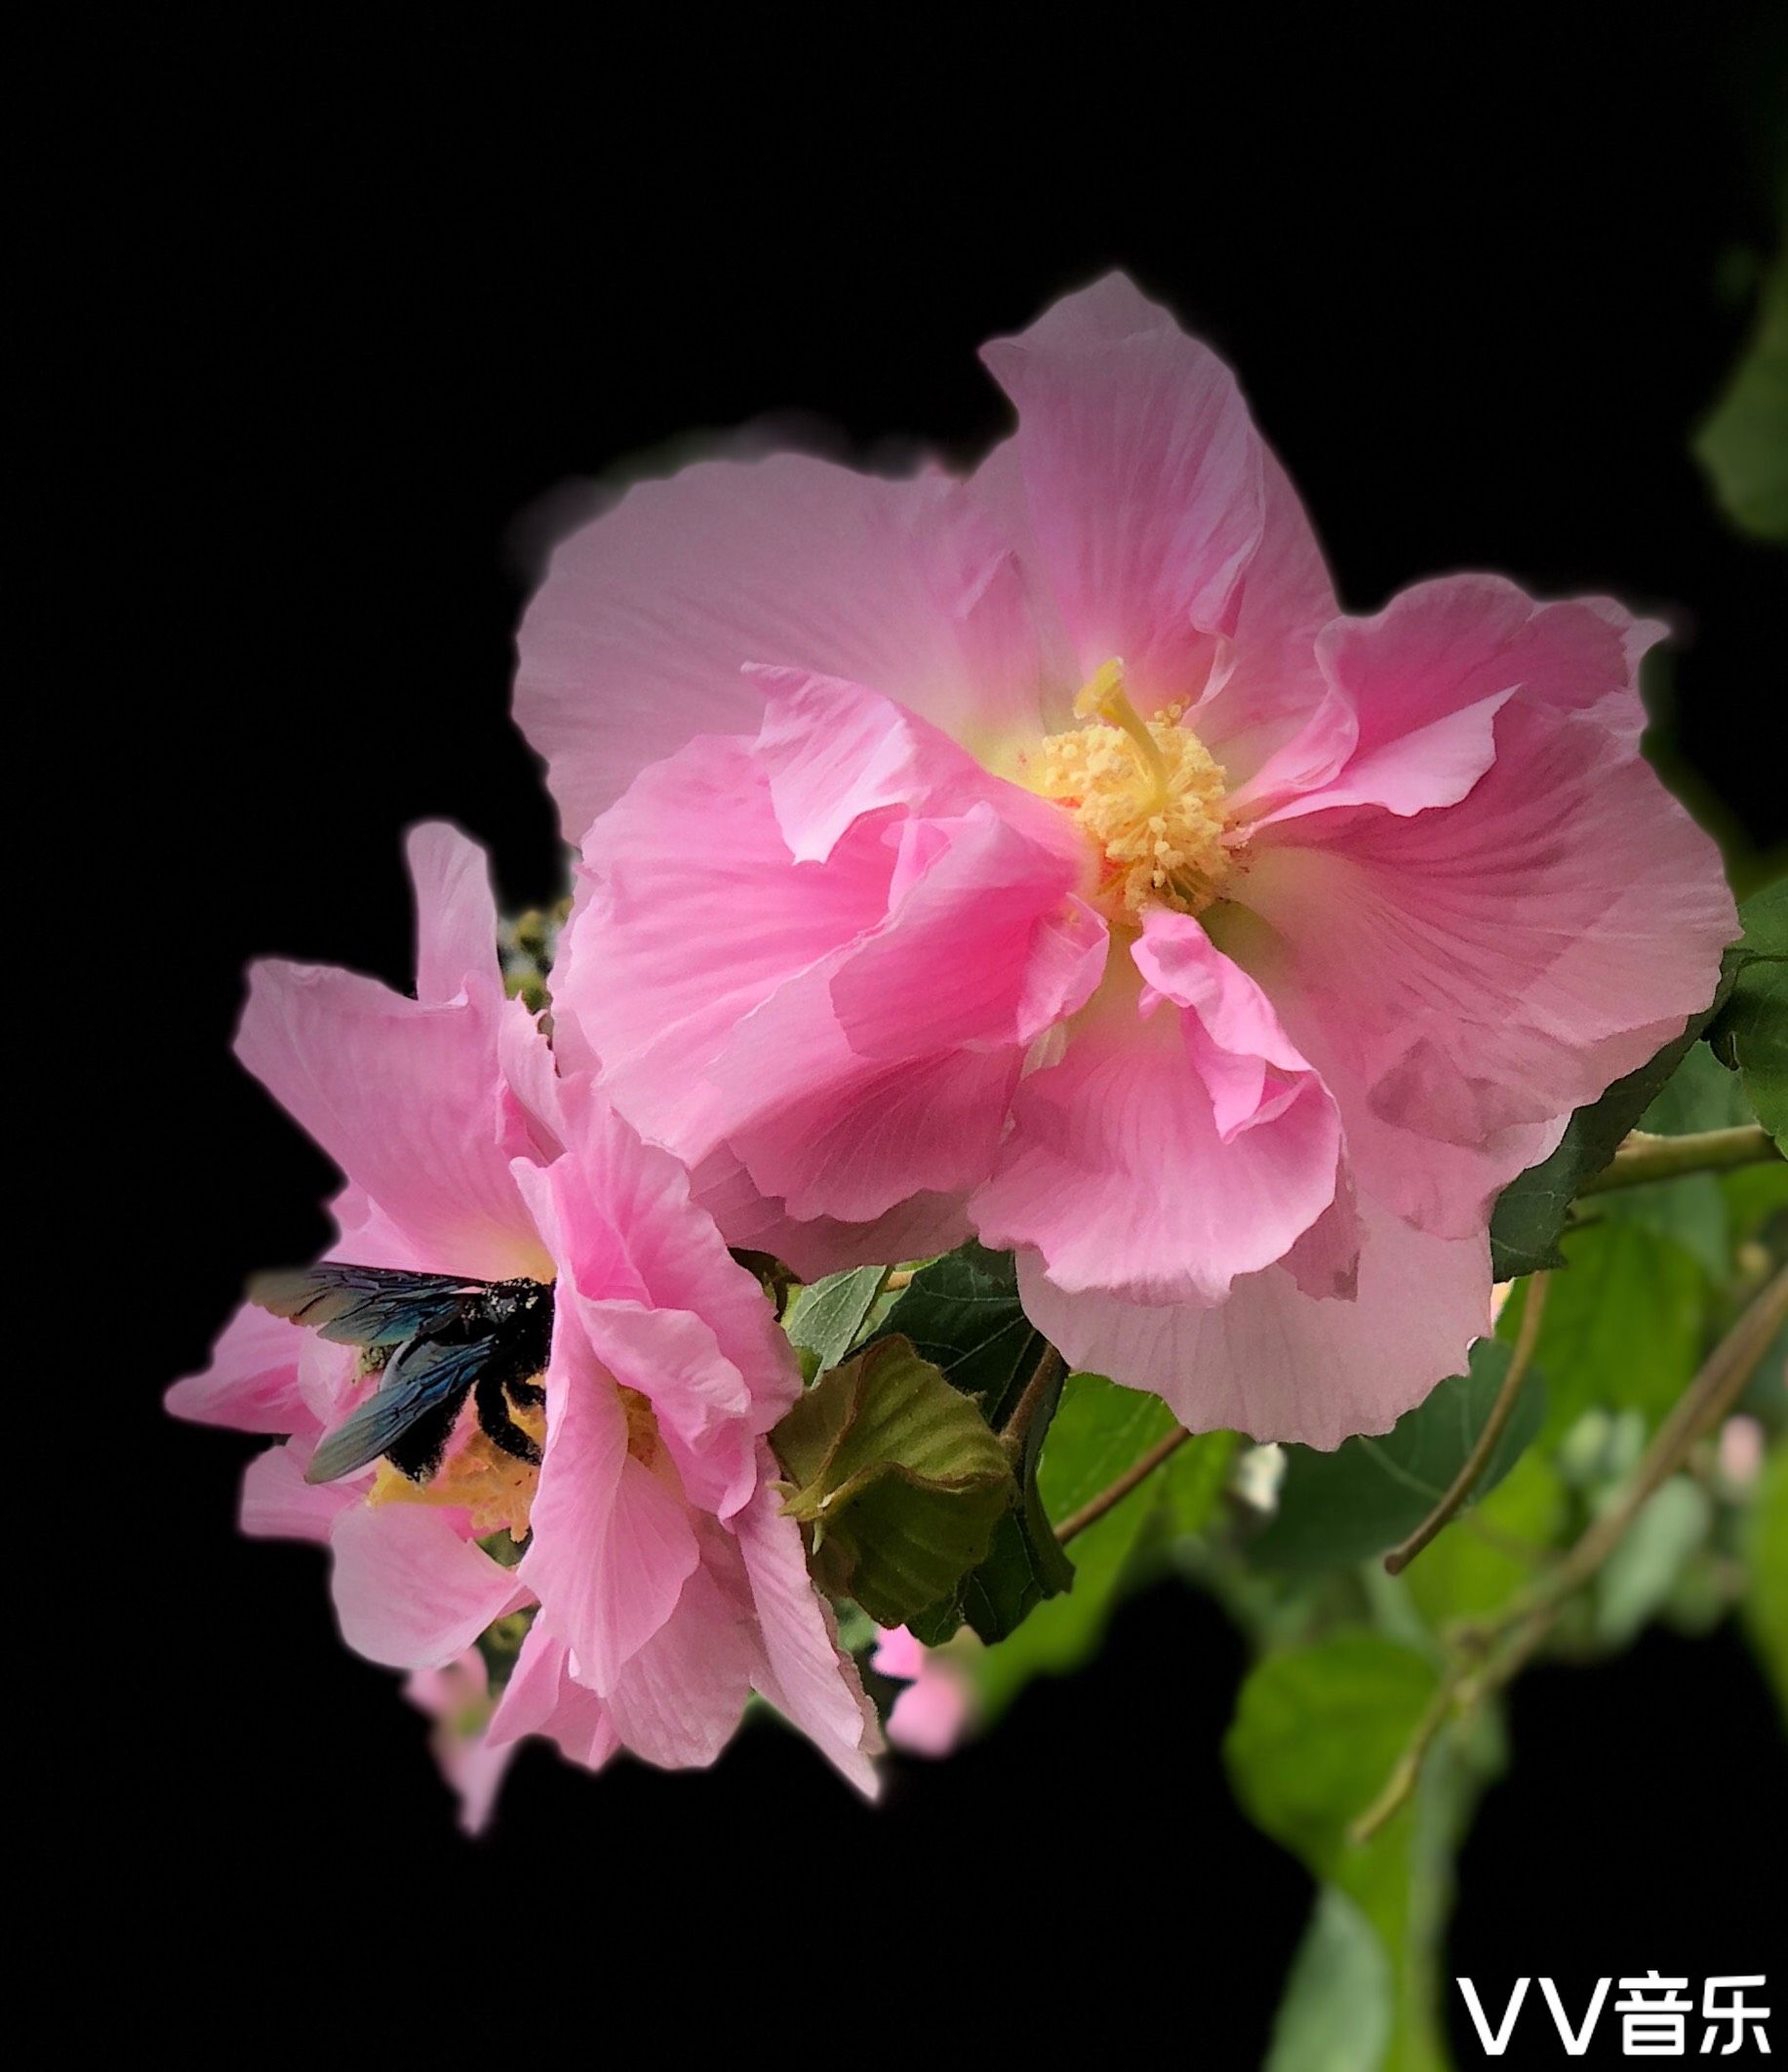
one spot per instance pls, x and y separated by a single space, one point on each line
1522 1628
1043 1378
1109 1499
1643 1157
1487 1440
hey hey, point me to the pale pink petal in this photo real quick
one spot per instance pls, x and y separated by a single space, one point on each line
409 1590
278 1504
1274 1363
457 1698
625 1230
917 1228
1267 681
661 960
252 1381
931 1715
705 1410
885 1071
834 751
807 1676
1180 1141
543 1697
403 1094
456 929
898 1652
636 640
1143 479
871 1134
1468 975
611 1545
1425 679
677 1701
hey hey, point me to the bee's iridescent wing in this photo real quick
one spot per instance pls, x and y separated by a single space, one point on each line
418 1395
364 1305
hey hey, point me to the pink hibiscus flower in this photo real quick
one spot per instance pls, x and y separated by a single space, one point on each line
458 1699
937 1707
1043 854
663 1582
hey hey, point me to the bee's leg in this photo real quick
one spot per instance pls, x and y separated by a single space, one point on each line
497 1425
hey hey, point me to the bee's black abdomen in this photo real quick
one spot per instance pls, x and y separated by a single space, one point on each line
416 1452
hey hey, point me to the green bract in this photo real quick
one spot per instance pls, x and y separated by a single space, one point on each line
897 1479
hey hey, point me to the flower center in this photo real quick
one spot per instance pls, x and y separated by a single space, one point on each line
494 1487
1148 795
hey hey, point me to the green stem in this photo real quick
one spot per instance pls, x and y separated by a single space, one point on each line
1487 1440
1107 1499
1643 1157
1499 1651
1047 1372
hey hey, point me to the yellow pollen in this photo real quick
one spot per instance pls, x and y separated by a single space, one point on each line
492 1485
643 1439
1148 795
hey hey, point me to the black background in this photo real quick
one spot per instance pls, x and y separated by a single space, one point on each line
357 311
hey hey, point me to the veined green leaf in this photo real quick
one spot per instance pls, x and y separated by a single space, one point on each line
827 1316
1361 1500
895 1478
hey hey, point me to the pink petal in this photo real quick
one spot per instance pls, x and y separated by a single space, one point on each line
677 1701
1271 1361
917 1228
409 1590
1267 683
660 962
626 1230
1426 678
636 640
1180 1142
659 1302
1143 479
474 1770
848 1030
403 1094
611 1545
807 1676
252 1381
1466 976
835 752
898 1652
543 1696
278 1504
455 915
885 1071
930 1717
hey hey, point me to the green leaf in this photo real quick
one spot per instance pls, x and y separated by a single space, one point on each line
1765 1602
897 1479
1335 2015
1743 446
1624 1323
1317 1733
1364 1497
1532 1209
1099 1431
1692 1210
1750 1033
962 1313
1640 1573
1481 1561
825 1317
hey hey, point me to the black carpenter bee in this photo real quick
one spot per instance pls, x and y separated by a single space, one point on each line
443 1336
